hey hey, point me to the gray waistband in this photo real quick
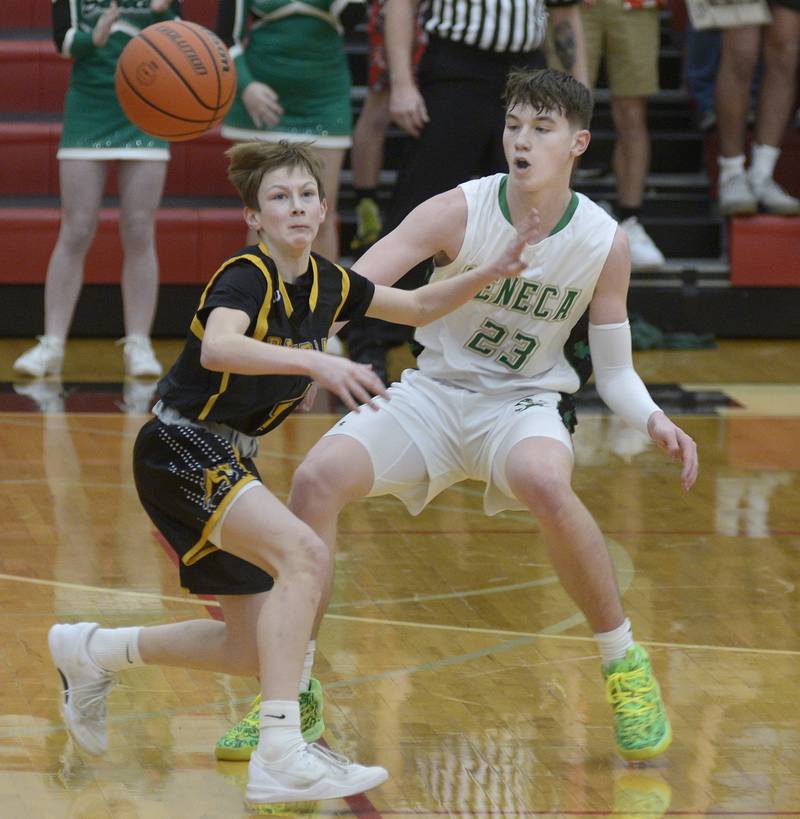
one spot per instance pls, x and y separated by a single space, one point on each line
246 445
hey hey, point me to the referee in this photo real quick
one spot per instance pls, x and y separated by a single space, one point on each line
455 114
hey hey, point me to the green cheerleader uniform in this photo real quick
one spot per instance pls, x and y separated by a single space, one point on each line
296 48
94 125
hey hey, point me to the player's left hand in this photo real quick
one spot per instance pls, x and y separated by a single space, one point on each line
677 444
159 6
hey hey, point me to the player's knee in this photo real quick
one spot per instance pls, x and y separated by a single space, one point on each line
545 491
316 484
307 560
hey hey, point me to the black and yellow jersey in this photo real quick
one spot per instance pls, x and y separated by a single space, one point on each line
298 314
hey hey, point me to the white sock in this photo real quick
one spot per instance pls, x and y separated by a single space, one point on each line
280 729
614 644
762 163
308 663
115 649
730 166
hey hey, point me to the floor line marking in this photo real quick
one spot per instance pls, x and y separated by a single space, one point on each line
545 634
62 584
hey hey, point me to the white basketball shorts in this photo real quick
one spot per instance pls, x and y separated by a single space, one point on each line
432 434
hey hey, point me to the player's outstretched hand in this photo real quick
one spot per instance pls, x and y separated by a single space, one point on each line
677 444
102 28
354 383
262 104
159 6
510 262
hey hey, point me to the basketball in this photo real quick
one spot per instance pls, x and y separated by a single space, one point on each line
175 80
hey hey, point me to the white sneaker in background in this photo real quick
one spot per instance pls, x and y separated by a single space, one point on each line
736 197
774 199
85 685
309 773
644 253
46 358
140 360
48 395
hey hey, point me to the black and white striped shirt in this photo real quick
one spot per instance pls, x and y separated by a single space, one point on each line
503 26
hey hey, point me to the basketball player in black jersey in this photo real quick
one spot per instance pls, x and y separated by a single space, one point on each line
255 345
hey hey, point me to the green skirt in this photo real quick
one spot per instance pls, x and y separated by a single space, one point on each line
313 88
96 128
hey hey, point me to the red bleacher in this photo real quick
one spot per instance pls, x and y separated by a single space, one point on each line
36 13
197 168
191 242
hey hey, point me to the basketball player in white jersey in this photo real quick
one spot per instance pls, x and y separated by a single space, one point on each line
489 400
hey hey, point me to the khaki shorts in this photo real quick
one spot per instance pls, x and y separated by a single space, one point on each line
629 41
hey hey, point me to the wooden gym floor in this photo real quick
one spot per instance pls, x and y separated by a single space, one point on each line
450 654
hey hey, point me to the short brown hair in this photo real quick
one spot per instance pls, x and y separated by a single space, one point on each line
546 89
249 161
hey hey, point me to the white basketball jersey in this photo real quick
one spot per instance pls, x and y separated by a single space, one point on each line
511 335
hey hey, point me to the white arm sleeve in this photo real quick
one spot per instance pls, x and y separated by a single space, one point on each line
618 384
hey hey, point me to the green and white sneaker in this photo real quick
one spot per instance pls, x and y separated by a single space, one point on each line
239 742
642 730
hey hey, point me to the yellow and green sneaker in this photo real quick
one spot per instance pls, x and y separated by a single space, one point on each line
642 730
368 224
239 742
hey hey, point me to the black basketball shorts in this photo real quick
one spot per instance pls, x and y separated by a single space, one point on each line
186 476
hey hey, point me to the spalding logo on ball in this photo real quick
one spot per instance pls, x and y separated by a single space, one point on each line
175 80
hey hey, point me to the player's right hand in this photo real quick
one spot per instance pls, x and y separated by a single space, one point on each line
407 108
510 262
102 29
262 104
353 383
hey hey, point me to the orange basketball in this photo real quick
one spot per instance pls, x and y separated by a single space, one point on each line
175 80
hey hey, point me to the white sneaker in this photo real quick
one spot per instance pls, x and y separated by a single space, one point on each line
774 199
48 395
310 773
85 685
46 358
644 253
140 360
736 197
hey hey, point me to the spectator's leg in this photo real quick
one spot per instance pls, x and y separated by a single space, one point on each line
82 184
632 63
327 241
366 157
141 183
368 139
701 66
738 62
779 85
631 150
